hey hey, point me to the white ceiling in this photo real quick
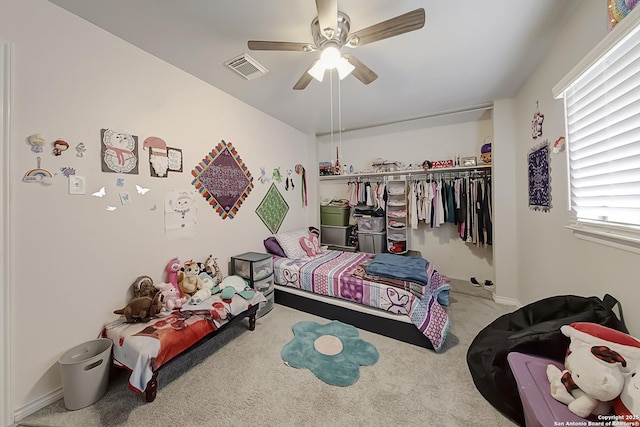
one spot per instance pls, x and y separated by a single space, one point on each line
469 53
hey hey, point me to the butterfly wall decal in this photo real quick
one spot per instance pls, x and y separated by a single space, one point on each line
100 193
142 190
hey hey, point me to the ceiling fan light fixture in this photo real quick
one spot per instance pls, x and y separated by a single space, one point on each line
344 68
317 71
330 56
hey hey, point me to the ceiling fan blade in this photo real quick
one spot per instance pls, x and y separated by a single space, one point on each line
327 16
305 79
410 21
361 72
287 46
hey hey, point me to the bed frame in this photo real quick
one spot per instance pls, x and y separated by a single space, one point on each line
152 386
360 316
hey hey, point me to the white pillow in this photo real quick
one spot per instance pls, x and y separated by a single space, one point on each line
290 243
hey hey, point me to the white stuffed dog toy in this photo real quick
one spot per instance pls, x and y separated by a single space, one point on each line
596 363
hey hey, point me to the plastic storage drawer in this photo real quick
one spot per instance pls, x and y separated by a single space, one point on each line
334 215
266 307
252 266
265 285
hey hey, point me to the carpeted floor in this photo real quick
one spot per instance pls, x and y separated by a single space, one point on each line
239 379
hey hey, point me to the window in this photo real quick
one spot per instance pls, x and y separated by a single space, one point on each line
602 108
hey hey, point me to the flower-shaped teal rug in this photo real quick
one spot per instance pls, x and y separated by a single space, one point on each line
334 351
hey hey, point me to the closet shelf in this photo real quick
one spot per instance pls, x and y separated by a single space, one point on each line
406 173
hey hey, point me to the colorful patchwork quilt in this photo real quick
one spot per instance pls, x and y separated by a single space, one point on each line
341 275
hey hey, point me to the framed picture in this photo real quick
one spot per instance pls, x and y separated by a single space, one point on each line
468 161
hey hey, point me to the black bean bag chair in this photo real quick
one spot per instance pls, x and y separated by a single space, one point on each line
533 329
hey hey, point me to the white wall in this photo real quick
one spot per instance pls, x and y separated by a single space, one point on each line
551 261
412 143
72 259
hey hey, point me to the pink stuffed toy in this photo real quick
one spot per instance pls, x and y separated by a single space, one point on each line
171 298
172 269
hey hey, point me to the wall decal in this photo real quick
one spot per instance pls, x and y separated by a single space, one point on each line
540 178
142 190
272 209
125 199
119 151
276 175
302 172
536 123
36 141
175 159
263 179
60 146
223 180
67 171
180 214
289 185
559 145
80 149
100 193
39 175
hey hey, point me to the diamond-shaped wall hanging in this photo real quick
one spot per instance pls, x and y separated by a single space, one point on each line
272 209
223 180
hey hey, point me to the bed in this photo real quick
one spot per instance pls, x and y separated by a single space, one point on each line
143 348
336 285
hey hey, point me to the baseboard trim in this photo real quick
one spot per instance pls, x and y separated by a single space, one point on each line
506 301
36 405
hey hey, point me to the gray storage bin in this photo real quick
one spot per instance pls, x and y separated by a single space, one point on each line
371 242
334 235
85 373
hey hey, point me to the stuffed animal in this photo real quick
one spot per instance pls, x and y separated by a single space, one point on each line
596 363
170 296
141 309
627 405
205 290
188 278
232 285
143 287
211 267
172 269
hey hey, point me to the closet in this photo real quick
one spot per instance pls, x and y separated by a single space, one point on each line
416 204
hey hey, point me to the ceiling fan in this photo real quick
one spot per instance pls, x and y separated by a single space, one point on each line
330 31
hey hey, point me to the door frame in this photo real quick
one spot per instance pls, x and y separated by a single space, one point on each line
6 284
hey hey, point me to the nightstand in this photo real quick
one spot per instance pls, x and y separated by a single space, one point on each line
257 269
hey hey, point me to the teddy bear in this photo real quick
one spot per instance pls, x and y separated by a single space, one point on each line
188 278
205 290
141 309
595 366
170 296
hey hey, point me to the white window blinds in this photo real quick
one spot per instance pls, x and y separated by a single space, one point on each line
602 108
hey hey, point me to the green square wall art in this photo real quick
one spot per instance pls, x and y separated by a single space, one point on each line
272 209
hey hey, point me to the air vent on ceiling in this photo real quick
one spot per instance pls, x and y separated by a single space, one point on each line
246 66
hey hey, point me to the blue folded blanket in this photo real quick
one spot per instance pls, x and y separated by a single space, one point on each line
412 269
